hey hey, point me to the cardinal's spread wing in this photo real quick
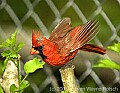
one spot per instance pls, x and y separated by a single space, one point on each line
79 36
70 39
60 30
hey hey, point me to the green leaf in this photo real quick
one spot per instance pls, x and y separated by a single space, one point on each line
13 37
32 65
64 92
19 46
13 55
5 63
115 47
1 90
24 84
13 88
10 42
1 67
1 46
7 43
106 63
6 53
9 53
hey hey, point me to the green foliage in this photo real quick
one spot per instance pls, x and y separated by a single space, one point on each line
64 92
11 53
106 63
115 47
1 90
32 65
11 49
10 42
24 84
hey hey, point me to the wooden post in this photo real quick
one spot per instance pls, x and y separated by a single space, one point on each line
68 79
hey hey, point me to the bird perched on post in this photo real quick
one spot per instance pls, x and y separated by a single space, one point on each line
65 41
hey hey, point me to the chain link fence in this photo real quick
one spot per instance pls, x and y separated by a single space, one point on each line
26 15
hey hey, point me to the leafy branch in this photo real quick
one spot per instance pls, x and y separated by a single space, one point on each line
12 56
11 49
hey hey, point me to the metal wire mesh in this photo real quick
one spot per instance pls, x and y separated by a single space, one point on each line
18 20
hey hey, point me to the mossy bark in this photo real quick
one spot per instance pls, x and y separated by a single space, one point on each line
10 77
68 79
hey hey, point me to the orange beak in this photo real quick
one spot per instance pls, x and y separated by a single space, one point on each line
33 51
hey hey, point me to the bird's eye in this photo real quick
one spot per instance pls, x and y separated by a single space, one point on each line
38 40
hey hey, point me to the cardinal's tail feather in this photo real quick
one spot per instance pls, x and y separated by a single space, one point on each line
93 48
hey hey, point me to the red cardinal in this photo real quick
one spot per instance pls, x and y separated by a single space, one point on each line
65 41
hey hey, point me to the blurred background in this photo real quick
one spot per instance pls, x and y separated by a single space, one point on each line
27 15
